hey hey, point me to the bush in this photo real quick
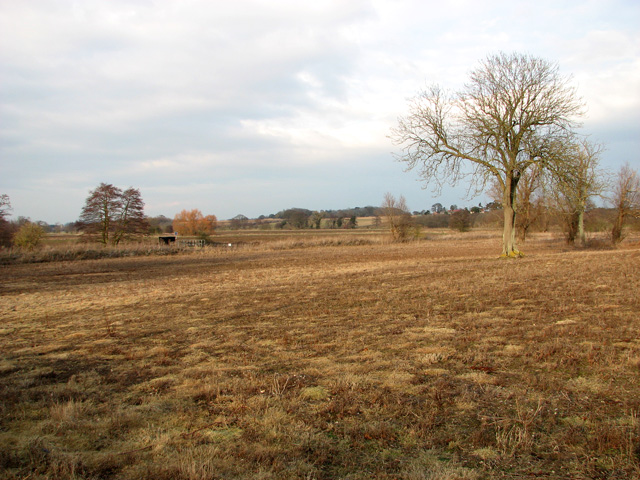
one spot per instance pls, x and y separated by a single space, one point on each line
28 236
460 220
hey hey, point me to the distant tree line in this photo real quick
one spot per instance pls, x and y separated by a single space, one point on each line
301 218
544 200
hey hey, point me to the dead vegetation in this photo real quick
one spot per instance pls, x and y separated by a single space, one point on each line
425 360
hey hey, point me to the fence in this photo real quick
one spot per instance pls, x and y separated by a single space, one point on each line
191 243
182 242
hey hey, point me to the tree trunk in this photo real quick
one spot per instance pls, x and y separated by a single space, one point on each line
616 231
581 234
509 248
105 224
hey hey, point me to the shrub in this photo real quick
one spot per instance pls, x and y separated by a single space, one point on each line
460 220
28 236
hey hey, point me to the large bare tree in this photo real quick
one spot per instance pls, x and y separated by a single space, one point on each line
514 113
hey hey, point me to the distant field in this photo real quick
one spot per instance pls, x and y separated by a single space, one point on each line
322 357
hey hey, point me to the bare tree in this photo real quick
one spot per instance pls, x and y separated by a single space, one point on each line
101 210
112 213
575 184
5 226
398 217
130 218
514 113
625 199
5 206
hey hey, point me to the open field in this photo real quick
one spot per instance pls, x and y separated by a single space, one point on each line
345 359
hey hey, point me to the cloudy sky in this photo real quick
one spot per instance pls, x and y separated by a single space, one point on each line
256 106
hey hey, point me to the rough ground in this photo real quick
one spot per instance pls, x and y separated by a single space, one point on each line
426 360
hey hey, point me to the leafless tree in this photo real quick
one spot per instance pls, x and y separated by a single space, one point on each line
398 217
5 205
130 218
513 114
5 226
100 211
625 199
112 213
573 187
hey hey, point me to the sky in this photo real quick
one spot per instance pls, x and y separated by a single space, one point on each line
252 107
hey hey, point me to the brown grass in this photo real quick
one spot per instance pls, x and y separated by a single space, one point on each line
344 359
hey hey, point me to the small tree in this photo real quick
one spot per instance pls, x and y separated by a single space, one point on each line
398 217
5 226
625 199
29 236
5 206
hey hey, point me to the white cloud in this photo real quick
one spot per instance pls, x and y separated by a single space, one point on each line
170 95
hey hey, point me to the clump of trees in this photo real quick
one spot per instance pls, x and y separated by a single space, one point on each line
113 214
301 218
239 221
194 223
296 218
516 112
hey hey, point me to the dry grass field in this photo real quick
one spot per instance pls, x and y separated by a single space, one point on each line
325 360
